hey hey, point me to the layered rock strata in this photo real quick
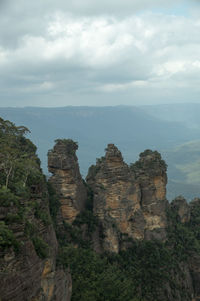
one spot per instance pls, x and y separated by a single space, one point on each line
129 201
66 179
24 273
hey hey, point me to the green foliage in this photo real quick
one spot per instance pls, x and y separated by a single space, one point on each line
18 161
136 274
182 238
21 190
94 277
70 145
194 223
54 203
149 160
13 218
7 198
142 272
86 218
19 173
30 229
148 264
7 238
90 197
42 214
139 273
40 246
73 235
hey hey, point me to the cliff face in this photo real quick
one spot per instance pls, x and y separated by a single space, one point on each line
129 201
121 208
28 243
187 215
28 266
150 172
66 179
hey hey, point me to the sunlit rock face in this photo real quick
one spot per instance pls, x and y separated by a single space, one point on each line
129 201
150 172
66 179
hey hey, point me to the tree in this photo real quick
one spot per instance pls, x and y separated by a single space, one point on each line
12 154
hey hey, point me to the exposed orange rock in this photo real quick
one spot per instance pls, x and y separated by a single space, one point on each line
127 200
66 179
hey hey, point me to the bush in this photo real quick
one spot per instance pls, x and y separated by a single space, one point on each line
7 197
7 238
13 218
86 217
42 214
30 229
54 203
40 246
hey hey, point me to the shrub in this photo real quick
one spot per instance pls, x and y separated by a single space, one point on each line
7 197
7 238
42 214
40 246
54 203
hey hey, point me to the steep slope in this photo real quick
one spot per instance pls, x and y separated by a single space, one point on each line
28 244
117 233
149 249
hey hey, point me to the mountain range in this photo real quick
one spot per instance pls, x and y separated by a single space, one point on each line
173 130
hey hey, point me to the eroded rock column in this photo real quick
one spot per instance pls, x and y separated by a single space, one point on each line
131 201
66 179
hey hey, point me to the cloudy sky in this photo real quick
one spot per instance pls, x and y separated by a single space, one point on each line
86 52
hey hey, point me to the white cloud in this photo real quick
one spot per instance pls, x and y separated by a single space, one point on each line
107 54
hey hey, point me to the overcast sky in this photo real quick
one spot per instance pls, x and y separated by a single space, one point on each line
86 52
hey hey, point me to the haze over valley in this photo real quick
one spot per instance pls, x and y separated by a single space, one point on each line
173 130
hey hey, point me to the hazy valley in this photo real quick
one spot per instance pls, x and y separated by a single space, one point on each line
173 130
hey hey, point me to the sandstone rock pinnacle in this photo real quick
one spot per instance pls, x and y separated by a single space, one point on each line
66 179
129 201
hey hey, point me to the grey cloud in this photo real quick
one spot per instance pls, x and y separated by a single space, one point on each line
23 17
124 60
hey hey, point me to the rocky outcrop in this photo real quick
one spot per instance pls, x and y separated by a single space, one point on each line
129 202
181 207
66 179
150 173
29 271
121 206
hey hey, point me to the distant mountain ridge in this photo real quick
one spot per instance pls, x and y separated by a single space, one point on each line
132 129
185 113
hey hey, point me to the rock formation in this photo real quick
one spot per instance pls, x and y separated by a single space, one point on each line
127 208
180 205
28 242
129 201
30 272
66 179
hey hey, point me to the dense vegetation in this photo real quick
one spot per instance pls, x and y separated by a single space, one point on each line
22 187
145 271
